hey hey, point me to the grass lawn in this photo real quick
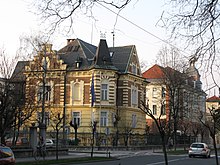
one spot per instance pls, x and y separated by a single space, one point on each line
177 152
173 152
65 161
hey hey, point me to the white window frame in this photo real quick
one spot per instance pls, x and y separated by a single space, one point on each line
163 92
104 91
163 109
133 120
134 95
76 118
103 119
76 87
154 92
154 107
134 69
48 92
79 99
46 116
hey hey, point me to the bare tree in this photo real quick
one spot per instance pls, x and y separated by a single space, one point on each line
117 118
126 130
171 56
93 126
213 125
56 119
30 44
57 12
13 110
184 126
75 127
174 79
161 125
195 24
6 64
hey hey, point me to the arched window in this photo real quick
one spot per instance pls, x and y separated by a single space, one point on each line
134 95
76 91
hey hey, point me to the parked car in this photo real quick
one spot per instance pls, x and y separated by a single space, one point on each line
6 156
50 143
20 141
199 149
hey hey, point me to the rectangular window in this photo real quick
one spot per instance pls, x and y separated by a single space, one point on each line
134 96
47 93
103 119
46 116
154 109
163 109
76 118
134 120
104 91
134 69
163 93
154 94
76 91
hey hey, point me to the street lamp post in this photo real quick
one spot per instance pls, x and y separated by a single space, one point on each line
42 125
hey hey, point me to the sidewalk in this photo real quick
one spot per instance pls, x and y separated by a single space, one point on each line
78 154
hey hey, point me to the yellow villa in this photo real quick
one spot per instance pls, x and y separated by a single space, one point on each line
82 84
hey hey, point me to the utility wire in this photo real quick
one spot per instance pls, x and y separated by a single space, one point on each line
134 24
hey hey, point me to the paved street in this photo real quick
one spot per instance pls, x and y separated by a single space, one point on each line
147 157
156 160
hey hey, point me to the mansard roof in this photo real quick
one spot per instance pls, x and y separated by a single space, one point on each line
77 51
90 56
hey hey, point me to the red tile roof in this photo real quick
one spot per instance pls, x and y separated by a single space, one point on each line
213 99
155 72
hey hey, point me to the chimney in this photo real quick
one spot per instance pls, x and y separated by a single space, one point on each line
47 47
69 41
219 92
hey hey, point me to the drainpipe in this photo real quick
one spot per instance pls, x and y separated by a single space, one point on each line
64 109
117 113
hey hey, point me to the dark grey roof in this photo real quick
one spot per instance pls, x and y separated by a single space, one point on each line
121 56
77 51
18 71
91 56
102 58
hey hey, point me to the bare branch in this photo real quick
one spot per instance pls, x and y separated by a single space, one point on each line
195 24
60 11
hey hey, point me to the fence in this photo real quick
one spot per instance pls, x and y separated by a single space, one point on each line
103 140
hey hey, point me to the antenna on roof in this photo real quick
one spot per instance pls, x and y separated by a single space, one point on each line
113 35
102 35
92 33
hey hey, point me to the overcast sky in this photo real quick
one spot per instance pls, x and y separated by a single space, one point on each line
137 27
17 19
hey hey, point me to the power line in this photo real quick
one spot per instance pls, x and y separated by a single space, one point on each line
146 31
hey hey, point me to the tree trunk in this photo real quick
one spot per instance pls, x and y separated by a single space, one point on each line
175 137
164 148
57 133
76 139
215 148
93 137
